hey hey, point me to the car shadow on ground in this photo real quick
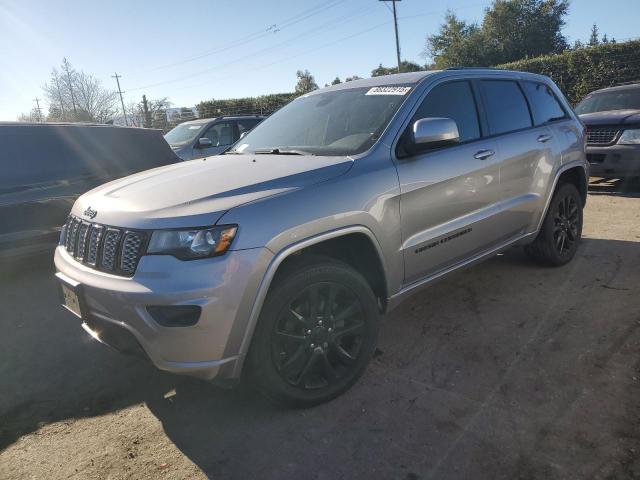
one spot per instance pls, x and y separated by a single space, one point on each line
506 369
615 187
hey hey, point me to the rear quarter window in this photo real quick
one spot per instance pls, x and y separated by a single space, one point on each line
544 104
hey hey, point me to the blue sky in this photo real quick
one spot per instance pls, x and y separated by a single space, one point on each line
196 50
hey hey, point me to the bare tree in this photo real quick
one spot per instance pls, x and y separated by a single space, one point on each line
78 96
141 116
31 117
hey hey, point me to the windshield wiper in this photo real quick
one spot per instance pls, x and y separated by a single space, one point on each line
281 151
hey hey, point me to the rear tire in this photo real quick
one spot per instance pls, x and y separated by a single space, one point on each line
316 334
558 239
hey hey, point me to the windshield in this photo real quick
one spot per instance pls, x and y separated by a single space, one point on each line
182 134
342 122
614 100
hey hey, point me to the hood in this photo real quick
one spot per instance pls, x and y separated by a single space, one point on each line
611 117
198 192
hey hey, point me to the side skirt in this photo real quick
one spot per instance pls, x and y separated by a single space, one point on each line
417 286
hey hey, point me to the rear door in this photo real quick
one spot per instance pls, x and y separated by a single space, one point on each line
448 193
527 147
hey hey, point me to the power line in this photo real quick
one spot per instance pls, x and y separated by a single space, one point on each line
305 52
273 28
321 29
330 24
124 112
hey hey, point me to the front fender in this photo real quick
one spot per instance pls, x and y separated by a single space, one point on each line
249 326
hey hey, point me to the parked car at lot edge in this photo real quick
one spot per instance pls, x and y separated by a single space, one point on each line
209 136
612 117
45 167
280 256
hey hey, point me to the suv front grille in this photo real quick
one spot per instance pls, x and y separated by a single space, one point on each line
105 248
601 136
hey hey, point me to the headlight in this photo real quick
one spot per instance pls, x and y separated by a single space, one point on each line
192 243
630 137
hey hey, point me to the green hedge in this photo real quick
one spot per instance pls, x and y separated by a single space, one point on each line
265 104
578 72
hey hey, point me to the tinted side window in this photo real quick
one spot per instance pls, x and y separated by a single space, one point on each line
544 104
246 124
506 106
220 134
452 100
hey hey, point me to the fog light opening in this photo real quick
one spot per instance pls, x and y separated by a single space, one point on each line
175 315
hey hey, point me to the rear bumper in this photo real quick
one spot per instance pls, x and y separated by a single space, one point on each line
616 161
114 308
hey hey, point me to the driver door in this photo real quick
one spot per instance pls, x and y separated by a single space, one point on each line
447 193
221 135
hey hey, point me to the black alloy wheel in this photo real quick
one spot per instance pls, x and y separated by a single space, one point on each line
566 225
316 333
318 337
559 237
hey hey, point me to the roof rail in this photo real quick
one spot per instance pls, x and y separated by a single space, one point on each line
475 68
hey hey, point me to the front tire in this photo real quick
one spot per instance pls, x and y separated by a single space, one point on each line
559 237
316 334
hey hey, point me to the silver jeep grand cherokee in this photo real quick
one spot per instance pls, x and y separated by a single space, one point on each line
279 257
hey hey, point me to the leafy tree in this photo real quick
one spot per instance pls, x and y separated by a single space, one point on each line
593 38
76 96
336 81
306 82
510 30
405 66
352 78
456 44
605 39
525 28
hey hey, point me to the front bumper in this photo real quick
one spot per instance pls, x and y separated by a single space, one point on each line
224 287
616 161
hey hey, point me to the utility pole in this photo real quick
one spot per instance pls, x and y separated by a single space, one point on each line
73 98
395 23
37 100
124 112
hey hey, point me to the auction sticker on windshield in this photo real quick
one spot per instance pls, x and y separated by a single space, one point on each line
388 91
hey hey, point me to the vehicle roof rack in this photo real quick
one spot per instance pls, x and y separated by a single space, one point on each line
475 68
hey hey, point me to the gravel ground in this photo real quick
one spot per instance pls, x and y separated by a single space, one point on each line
506 370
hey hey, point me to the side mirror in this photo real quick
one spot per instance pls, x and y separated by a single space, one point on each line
204 142
435 132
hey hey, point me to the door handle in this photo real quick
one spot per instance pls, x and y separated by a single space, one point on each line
544 138
484 154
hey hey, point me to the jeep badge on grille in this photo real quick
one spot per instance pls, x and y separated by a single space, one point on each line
89 212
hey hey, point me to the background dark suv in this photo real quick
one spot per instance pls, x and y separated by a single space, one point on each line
209 136
612 117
